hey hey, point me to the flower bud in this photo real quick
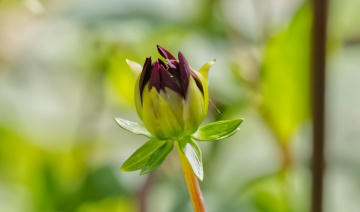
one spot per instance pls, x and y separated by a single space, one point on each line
171 98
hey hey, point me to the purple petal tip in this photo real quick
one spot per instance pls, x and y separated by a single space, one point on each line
145 75
165 53
184 72
155 77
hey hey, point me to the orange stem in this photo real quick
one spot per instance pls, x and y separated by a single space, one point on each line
192 183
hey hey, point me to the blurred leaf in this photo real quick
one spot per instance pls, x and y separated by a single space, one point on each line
283 191
268 193
141 156
285 76
157 158
101 183
193 154
136 128
217 130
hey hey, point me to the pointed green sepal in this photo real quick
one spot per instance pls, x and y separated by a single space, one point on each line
204 70
193 154
217 130
135 67
141 156
136 128
157 158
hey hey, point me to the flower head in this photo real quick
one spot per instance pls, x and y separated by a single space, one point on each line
171 98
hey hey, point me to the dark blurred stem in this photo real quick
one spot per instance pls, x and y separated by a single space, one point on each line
318 100
192 183
144 191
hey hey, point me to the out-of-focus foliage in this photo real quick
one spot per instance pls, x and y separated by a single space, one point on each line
285 76
63 78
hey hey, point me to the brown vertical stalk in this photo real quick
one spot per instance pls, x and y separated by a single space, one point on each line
318 100
144 191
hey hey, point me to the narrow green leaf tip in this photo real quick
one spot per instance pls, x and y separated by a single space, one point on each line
133 127
217 130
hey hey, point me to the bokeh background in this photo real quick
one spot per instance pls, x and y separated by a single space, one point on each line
63 80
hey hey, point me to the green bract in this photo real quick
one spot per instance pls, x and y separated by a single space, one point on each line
172 101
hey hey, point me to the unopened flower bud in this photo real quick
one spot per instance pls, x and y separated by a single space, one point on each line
171 98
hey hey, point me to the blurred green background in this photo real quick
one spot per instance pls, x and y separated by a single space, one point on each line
63 79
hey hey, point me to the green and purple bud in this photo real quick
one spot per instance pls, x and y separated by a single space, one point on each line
172 101
171 98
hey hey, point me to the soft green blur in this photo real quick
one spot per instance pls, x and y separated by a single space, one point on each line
64 78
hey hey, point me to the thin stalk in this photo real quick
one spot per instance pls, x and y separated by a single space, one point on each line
287 158
318 96
144 191
192 183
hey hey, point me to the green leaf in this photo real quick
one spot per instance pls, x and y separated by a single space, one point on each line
141 156
157 158
193 154
136 128
285 76
217 130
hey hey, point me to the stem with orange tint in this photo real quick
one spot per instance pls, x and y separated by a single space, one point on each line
192 183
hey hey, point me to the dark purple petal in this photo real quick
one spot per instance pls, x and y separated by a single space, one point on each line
167 81
173 63
165 53
175 73
145 75
162 63
155 77
184 72
160 79
198 82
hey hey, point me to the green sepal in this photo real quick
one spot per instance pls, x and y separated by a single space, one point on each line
135 67
217 130
158 157
193 154
204 70
133 127
141 156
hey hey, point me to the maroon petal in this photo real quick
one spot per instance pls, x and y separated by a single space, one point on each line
155 77
184 72
165 53
168 81
160 79
162 63
175 73
174 64
145 75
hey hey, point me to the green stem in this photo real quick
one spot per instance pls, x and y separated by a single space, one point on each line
192 183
